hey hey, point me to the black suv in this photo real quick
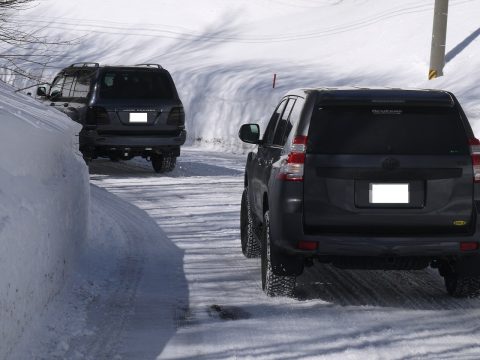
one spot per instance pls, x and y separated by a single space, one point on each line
364 179
126 111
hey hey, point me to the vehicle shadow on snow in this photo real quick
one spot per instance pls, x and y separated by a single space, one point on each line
419 290
142 293
127 169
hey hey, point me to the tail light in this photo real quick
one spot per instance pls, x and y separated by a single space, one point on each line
176 117
307 245
293 167
475 151
468 246
97 115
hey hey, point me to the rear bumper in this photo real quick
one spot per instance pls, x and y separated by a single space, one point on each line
91 139
287 231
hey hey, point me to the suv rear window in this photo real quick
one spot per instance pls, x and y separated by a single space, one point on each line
145 85
400 131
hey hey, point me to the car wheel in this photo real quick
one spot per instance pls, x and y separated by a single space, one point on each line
462 286
273 285
250 245
163 163
114 158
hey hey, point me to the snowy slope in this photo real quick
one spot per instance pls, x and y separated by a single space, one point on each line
223 54
43 209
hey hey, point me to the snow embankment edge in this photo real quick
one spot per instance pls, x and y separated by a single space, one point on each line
44 192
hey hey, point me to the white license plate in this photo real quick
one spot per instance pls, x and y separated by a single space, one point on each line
138 118
389 193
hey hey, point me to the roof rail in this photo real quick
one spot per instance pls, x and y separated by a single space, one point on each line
150 65
85 64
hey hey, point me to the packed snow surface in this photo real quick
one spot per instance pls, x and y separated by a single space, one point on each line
223 54
43 209
166 279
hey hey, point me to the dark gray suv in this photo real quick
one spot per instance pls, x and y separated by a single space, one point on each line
126 111
364 179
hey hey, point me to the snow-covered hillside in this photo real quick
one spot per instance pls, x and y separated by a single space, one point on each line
223 54
43 209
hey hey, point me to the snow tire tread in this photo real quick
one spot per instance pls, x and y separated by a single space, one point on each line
462 286
250 244
163 163
273 285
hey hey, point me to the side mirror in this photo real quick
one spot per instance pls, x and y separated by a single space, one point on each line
41 91
250 133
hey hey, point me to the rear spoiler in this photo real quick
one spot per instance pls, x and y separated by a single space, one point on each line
386 98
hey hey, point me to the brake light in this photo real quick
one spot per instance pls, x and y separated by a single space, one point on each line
293 166
308 245
176 117
475 151
468 246
97 115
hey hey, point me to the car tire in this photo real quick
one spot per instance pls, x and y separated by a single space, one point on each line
250 245
462 286
114 158
163 163
273 285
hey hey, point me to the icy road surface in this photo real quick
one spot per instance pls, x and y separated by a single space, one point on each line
181 289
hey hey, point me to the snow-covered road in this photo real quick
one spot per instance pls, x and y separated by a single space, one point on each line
178 287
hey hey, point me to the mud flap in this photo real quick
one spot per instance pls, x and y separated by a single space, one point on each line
285 264
468 265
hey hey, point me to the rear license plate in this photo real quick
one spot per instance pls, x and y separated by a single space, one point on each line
389 193
138 118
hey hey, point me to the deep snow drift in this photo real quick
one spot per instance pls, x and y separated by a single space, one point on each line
43 209
223 54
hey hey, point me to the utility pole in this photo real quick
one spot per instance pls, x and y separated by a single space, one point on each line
439 39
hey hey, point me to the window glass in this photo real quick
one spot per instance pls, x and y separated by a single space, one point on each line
269 131
81 86
68 86
297 111
57 86
283 124
399 131
294 118
135 85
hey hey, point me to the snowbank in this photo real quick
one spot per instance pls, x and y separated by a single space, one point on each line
43 208
223 54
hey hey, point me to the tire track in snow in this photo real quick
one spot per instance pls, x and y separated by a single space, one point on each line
138 276
154 30
107 313
421 289
339 313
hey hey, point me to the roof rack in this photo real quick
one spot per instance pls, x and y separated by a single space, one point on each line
85 64
150 65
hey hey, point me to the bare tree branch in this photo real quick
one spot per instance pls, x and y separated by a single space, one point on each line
24 53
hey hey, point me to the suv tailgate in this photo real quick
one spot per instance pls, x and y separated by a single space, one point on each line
388 170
